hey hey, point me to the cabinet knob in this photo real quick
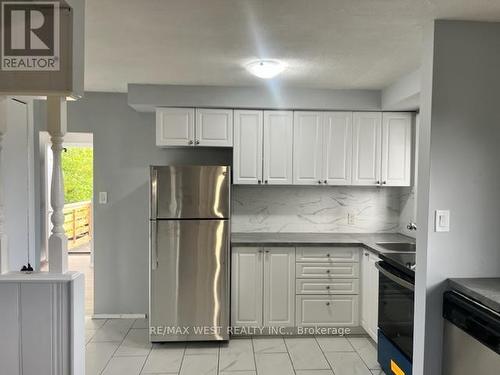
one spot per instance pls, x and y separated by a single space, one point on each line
197 142
319 181
384 182
328 255
377 182
265 181
259 181
328 287
267 251
326 181
327 271
366 254
328 303
260 251
190 142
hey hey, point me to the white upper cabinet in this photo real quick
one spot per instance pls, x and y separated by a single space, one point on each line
337 148
278 141
180 127
396 149
214 127
366 156
307 148
247 151
174 126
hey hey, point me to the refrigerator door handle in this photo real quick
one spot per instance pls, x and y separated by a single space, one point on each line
154 245
154 193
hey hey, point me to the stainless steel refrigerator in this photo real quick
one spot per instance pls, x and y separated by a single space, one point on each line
189 253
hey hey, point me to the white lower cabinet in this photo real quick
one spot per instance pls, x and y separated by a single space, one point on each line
246 287
279 290
303 287
327 310
369 293
262 287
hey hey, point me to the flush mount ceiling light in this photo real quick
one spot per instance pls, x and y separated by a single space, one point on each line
265 69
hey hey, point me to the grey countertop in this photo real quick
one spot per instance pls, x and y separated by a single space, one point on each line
367 240
484 290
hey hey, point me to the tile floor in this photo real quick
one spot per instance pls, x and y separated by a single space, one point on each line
121 347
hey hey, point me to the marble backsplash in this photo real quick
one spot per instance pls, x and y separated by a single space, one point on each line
316 209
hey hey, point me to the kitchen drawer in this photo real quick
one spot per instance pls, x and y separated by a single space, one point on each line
327 254
327 270
327 286
325 311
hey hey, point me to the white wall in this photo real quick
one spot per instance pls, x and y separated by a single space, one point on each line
459 171
315 209
124 148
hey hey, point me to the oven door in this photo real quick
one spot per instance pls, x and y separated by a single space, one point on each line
395 311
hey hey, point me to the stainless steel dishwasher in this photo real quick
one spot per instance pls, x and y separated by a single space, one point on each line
471 342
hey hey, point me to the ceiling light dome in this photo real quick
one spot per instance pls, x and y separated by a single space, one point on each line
265 69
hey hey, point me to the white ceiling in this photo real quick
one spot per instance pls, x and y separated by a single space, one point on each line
336 44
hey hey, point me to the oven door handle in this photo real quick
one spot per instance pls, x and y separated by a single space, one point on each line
401 282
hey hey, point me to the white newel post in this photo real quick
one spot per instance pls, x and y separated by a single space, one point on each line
58 242
4 251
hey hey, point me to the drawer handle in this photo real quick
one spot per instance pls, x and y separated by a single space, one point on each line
327 271
328 303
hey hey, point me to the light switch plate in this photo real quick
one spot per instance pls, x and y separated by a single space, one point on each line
103 197
442 221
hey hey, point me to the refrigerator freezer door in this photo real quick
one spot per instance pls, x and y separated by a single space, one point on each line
189 286
190 192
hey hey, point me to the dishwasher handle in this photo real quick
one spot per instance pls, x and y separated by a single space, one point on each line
473 318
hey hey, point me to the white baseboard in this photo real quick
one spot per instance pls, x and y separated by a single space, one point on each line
119 316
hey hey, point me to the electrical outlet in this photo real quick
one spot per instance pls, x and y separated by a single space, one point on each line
351 218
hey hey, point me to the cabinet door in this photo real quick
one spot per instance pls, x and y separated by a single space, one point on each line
214 127
337 148
396 149
247 151
174 126
246 286
279 287
369 294
278 139
307 148
366 156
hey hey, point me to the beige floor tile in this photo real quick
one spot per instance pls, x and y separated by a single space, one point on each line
314 372
237 355
135 343
269 345
124 366
113 330
202 348
165 358
274 364
306 354
367 352
334 344
199 364
344 363
97 356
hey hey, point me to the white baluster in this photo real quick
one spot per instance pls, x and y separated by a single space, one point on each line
4 250
58 242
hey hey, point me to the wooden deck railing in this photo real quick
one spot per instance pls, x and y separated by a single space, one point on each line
78 223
